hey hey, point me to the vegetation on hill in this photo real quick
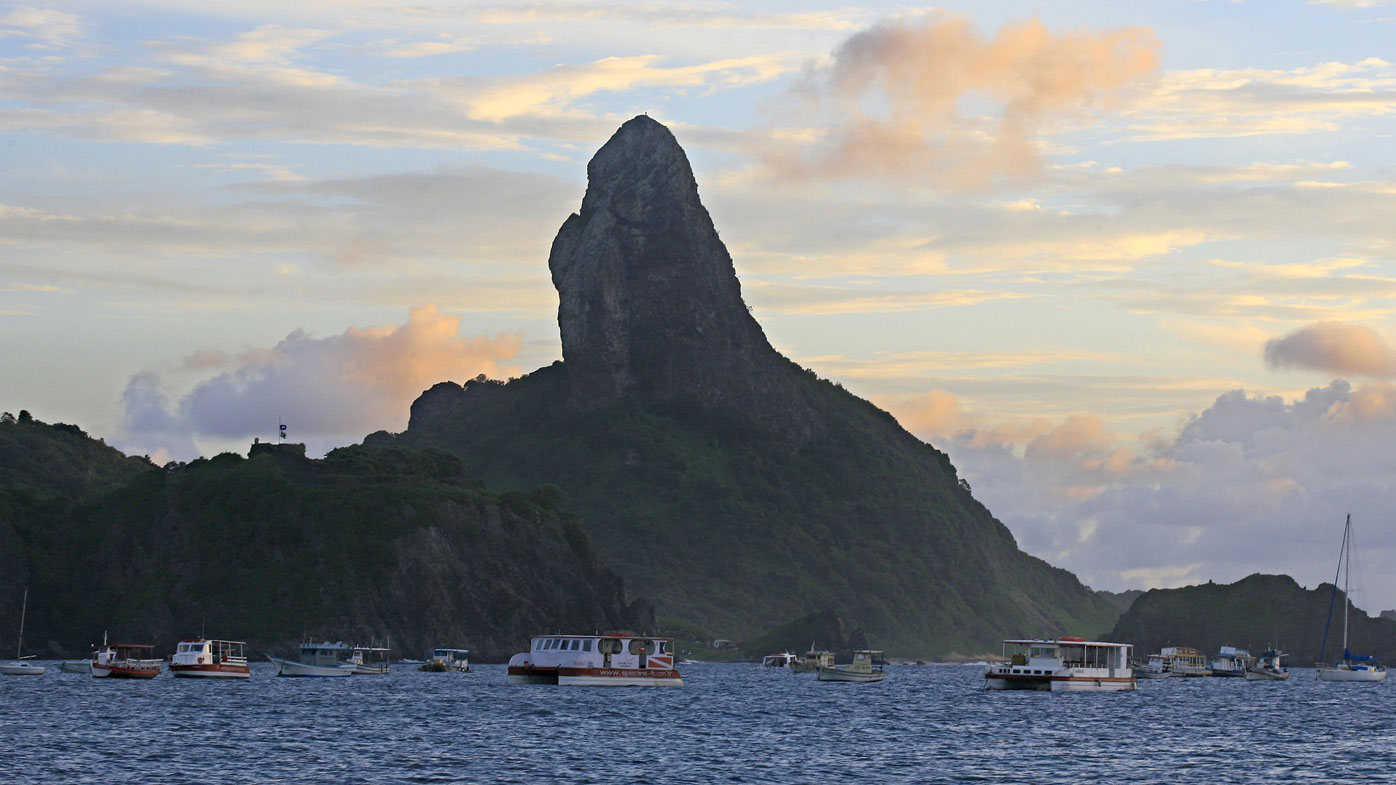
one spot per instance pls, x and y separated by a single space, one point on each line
59 459
1256 612
366 544
733 530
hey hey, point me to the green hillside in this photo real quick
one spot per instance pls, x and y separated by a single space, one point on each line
366 544
1256 612
729 528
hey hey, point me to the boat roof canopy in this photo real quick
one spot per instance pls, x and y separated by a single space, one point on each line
1063 642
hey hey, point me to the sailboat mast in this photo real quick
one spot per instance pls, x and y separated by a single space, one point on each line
19 645
1347 573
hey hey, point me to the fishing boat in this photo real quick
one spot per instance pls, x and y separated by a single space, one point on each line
447 661
866 667
783 660
1185 661
322 659
125 661
619 658
1269 666
19 667
369 660
1352 667
811 661
1231 661
1065 664
210 659
1155 668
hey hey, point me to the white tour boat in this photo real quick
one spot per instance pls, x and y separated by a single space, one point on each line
1062 665
1269 666
370 660
19 667
210 659
316 659
1231 661
125 661
447 661
866 667
783 660
611 659
1352 667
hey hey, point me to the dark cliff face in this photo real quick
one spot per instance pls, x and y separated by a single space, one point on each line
649 302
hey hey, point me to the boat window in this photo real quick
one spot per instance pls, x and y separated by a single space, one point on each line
586 645
661 647
576 644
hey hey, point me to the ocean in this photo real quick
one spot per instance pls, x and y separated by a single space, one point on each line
728 724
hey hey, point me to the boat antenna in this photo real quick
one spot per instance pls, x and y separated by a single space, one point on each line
1324 646
24 606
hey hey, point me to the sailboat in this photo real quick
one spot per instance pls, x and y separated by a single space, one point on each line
1352 667
19 667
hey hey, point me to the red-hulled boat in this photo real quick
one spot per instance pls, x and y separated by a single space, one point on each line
125 661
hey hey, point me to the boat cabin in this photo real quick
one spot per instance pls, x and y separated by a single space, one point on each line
198 651
1062 664
615 650
324 654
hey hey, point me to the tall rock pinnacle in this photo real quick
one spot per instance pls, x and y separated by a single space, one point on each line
649 300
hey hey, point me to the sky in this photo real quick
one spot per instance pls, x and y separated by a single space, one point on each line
1131 265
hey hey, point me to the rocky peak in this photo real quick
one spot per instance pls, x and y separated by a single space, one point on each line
649 302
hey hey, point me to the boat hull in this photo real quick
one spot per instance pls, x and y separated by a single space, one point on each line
21 669
1266 675
1058 683
124 672
286 667
371 670
84 666
839 674
207 671
596 677
1348 674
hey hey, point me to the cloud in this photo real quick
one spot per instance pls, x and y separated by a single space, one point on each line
927 100
42 28
1333 347
329 391
1252 483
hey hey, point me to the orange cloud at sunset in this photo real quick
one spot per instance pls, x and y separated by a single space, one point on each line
930 98
1335 347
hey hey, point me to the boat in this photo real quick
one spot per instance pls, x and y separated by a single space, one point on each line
866 666
322 659
1184 661
124 661
447 661
1231 661
1352 667
76 666
783 660
620 658
811 661
210 659
1269 666
19 667
1155 668
1065 664
369 660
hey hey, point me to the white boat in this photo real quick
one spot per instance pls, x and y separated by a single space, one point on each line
1065 664
322 659
1352 667
783 660
370 660
447 661
866 667
124 661
620 659
1155 668
18 667
1178 661
1231 661
1269 666
210 659
811 661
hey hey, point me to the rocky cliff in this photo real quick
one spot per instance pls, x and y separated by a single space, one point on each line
732 486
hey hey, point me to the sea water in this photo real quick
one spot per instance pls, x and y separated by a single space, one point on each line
729 723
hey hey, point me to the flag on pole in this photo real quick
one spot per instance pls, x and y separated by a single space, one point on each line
282 426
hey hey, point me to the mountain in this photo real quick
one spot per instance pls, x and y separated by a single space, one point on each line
1256 612
366 544
727 483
